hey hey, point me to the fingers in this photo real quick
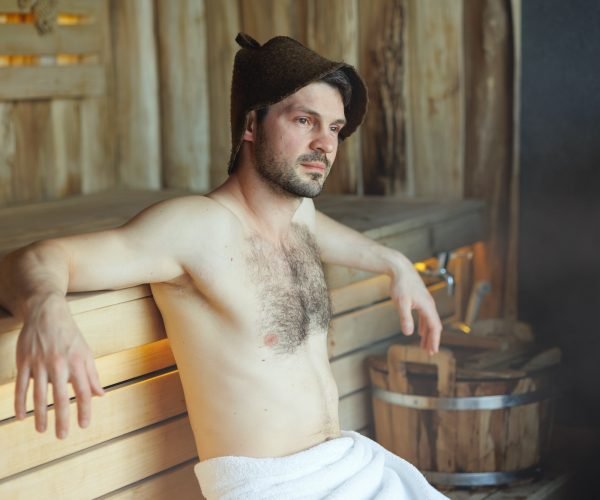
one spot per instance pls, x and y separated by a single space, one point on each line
21 388
40 397
85 381
60 391
407 324
83 393
430 328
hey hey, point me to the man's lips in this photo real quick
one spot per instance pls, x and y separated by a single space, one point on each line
314 166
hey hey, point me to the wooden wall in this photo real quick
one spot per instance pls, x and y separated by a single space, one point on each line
150 109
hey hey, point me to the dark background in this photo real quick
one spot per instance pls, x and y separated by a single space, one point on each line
559 261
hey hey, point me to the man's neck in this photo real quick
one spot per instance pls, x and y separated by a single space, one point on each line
268 211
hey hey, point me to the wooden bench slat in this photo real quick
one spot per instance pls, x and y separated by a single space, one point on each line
121 410
23 39
128 324
113 369
107 467
179 483
51 82
355 410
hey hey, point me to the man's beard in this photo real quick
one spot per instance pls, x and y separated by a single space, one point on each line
283 177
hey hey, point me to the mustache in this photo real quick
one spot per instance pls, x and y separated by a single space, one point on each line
314 156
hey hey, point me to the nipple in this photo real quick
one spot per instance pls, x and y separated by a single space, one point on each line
271 339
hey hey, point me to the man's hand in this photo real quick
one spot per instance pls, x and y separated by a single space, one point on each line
50 349
410 293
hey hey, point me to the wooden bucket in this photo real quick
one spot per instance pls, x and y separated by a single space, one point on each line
460 431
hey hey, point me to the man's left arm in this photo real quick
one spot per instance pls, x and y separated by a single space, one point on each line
342 245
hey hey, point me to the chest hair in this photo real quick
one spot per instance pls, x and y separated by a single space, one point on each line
293 296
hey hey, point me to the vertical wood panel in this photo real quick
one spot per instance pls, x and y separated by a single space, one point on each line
511 293
382 67
8 145
222 26
184 94
99 119
138 150
332 31
32 129
264 19
435 96
489 135
62 173
98 164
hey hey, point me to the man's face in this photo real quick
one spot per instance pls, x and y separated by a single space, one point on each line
296 143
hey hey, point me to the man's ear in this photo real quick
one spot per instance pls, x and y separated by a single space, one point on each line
250 128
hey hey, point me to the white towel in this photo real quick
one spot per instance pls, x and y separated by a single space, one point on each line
348 468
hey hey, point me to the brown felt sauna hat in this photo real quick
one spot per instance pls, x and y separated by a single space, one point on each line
266 74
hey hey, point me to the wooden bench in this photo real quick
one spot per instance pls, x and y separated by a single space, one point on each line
139 444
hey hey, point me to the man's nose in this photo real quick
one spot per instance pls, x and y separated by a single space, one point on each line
325 142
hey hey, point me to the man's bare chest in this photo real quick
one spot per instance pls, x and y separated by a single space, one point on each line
291 292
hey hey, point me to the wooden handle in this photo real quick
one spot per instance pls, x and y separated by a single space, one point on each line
399 355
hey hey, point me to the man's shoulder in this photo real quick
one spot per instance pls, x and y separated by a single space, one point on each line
188 207
191 215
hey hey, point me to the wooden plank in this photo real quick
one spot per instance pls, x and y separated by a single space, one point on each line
99 119
24 39
85 301
264 19
179 482
112 369
351 373
184 94
512 254
38 82
382 63
356 329
128 325
137 102
435 96
355 410
121 410
370 324
96 471
33 133
74 215
370 291
360 294
382 411
331 31
66 6
379 217
222 26
8 146
62 173
98 170
488 166
450 234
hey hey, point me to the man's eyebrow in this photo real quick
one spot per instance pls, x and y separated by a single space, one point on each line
316 114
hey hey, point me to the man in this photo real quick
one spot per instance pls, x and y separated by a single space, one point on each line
237 277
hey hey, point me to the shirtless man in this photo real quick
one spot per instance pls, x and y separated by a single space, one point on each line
236 275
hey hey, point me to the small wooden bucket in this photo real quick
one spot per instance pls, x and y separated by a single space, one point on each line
460 432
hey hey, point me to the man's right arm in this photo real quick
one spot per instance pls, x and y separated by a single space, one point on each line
34 282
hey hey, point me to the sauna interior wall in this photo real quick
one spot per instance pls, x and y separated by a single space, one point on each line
156 112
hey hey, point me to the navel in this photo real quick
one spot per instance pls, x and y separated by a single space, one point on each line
271 339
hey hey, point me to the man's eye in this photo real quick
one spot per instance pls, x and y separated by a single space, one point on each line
335 129
303 120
